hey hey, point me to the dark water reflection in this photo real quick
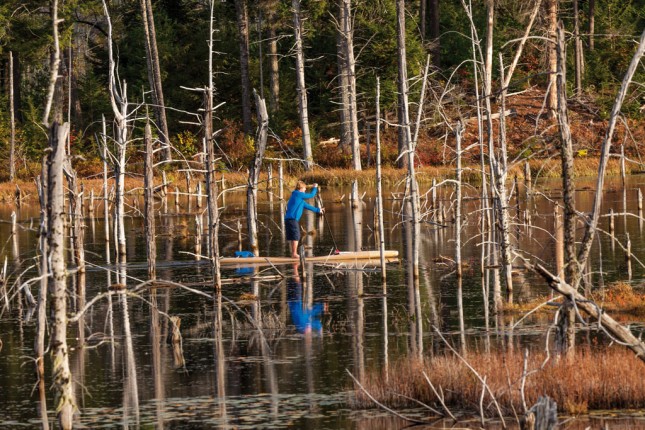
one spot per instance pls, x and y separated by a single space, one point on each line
288 374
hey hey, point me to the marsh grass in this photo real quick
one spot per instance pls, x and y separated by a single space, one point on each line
618 298
591 380
540 168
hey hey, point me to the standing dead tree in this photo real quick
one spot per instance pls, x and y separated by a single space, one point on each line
575 263
62 378
119 102
300 85
154 74
149 204
347 43
254 173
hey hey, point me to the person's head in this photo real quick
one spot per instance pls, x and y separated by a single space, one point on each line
301 186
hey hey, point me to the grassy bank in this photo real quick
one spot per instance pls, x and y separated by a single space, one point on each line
550 168
591 380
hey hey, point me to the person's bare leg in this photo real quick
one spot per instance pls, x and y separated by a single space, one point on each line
294 248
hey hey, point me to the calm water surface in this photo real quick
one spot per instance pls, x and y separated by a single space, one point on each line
294 372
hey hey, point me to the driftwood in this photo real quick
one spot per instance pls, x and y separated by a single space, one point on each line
607 323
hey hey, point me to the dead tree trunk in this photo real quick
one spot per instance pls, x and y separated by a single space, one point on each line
119 101
154 74
592 224
211 190
61 375
347 33
301 88
254 173
592 23
76 212
41 311
566 333
579 69
608 324
459 131
552 22
343 87
404 116
379 188
149 211
12 122
500 172
242 18
274 69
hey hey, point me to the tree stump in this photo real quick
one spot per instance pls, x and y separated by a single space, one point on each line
542 416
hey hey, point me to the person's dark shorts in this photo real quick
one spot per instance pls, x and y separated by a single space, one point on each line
292 228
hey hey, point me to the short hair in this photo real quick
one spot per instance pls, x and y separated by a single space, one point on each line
300 184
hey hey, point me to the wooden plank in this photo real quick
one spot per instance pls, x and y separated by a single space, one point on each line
359 256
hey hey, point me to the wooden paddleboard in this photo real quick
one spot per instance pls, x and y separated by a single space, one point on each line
343 257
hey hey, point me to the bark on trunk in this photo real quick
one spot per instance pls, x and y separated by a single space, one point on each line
12 122
552 20
254 173
274 70
241 15
379 189
61 375
154 74
571 273
211 190
149 218
301 89
592 23
345 132
349 63
404 117
434 32
578 49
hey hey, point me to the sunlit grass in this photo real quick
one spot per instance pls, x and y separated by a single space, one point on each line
592 380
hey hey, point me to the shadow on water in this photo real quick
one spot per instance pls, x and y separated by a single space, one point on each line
273 347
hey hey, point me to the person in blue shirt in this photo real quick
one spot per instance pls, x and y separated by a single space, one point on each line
295 207
306 318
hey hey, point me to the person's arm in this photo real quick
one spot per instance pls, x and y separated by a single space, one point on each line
312 193
312 208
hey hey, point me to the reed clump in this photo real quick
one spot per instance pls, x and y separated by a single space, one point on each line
621 298
590 380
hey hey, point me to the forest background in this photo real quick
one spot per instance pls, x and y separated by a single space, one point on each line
263 30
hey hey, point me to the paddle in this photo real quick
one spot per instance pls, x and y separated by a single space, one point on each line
336 250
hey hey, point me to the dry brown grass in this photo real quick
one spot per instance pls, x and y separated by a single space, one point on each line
547 168
592 380
618 299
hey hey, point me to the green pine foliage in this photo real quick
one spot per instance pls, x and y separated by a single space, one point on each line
182 33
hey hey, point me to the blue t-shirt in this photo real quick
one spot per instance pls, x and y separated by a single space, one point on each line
297 204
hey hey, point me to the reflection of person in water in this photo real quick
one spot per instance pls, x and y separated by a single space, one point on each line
306 318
